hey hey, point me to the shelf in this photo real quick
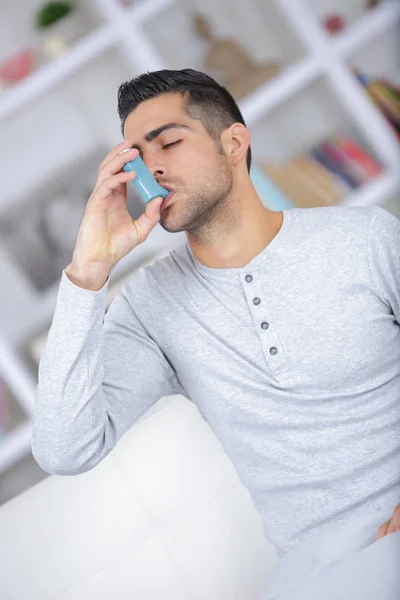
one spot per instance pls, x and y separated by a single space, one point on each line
381 56
241 52
18 380
292 129
367 29
14 99
301 120
283 86
17 401
15 446
147 9
350 11
375 191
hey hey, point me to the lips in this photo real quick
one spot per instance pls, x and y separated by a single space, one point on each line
167 200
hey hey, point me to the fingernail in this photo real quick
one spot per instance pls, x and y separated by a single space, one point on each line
126 150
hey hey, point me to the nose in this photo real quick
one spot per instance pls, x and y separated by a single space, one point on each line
155 166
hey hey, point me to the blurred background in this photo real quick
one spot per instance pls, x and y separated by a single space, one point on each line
318 82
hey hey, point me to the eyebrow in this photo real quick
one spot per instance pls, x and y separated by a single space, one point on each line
149 137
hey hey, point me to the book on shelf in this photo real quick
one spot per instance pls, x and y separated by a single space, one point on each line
385 95
283 176
331 164
297 184
356 153
346 162
394 88
385 100
271 195
304 168
323 175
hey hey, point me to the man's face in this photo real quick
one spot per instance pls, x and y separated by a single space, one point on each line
184 158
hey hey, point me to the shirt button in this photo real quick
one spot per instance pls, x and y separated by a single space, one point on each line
273 350
249 278
256 301
264 325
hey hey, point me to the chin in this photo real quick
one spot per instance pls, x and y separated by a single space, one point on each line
171 222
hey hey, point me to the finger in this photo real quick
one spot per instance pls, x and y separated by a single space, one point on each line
100 199
149 219
115 151
382 530
394 524
115 165
113 181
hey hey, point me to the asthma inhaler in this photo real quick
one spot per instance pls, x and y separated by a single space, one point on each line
144 181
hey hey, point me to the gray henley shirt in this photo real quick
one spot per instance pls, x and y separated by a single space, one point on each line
293 360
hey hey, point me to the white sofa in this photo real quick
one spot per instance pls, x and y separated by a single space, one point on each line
163 516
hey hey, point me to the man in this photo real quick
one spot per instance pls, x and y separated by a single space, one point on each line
282 327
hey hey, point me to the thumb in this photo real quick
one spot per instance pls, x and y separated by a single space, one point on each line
149 219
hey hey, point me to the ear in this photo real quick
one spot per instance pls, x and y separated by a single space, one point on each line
236 141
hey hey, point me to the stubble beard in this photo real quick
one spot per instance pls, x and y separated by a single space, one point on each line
201 212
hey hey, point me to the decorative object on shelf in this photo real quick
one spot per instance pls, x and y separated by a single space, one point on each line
386 97
230 64
329 170
17 67
372 3
60 27
51 12
334 23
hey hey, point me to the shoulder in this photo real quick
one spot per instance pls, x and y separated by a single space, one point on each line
335 216
336 226
384 224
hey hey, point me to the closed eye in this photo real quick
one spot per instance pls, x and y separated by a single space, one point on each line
171 144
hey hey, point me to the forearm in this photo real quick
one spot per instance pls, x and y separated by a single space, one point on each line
70 406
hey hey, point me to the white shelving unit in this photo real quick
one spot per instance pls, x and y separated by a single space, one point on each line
128 31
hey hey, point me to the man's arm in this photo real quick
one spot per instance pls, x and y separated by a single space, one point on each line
384 257
384 261
95 379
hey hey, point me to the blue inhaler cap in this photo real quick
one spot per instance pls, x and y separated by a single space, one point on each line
144 181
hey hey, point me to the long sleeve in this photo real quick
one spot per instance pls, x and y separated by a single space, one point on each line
98 374
384 257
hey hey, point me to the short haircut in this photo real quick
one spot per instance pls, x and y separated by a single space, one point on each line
204 99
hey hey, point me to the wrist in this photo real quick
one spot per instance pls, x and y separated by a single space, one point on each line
86 277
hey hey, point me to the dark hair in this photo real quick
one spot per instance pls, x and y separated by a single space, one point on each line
204 98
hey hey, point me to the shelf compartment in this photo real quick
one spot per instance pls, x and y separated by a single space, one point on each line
241 52
380 57
368 30
141 11
14 99
295 127
349 12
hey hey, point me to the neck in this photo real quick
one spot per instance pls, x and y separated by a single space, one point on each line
243 228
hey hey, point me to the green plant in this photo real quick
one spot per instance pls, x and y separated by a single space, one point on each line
51 12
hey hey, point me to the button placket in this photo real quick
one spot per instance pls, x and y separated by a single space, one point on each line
262 319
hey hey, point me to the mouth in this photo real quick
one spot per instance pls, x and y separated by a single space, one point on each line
167 200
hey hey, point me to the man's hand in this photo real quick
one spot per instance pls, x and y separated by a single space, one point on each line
391 525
